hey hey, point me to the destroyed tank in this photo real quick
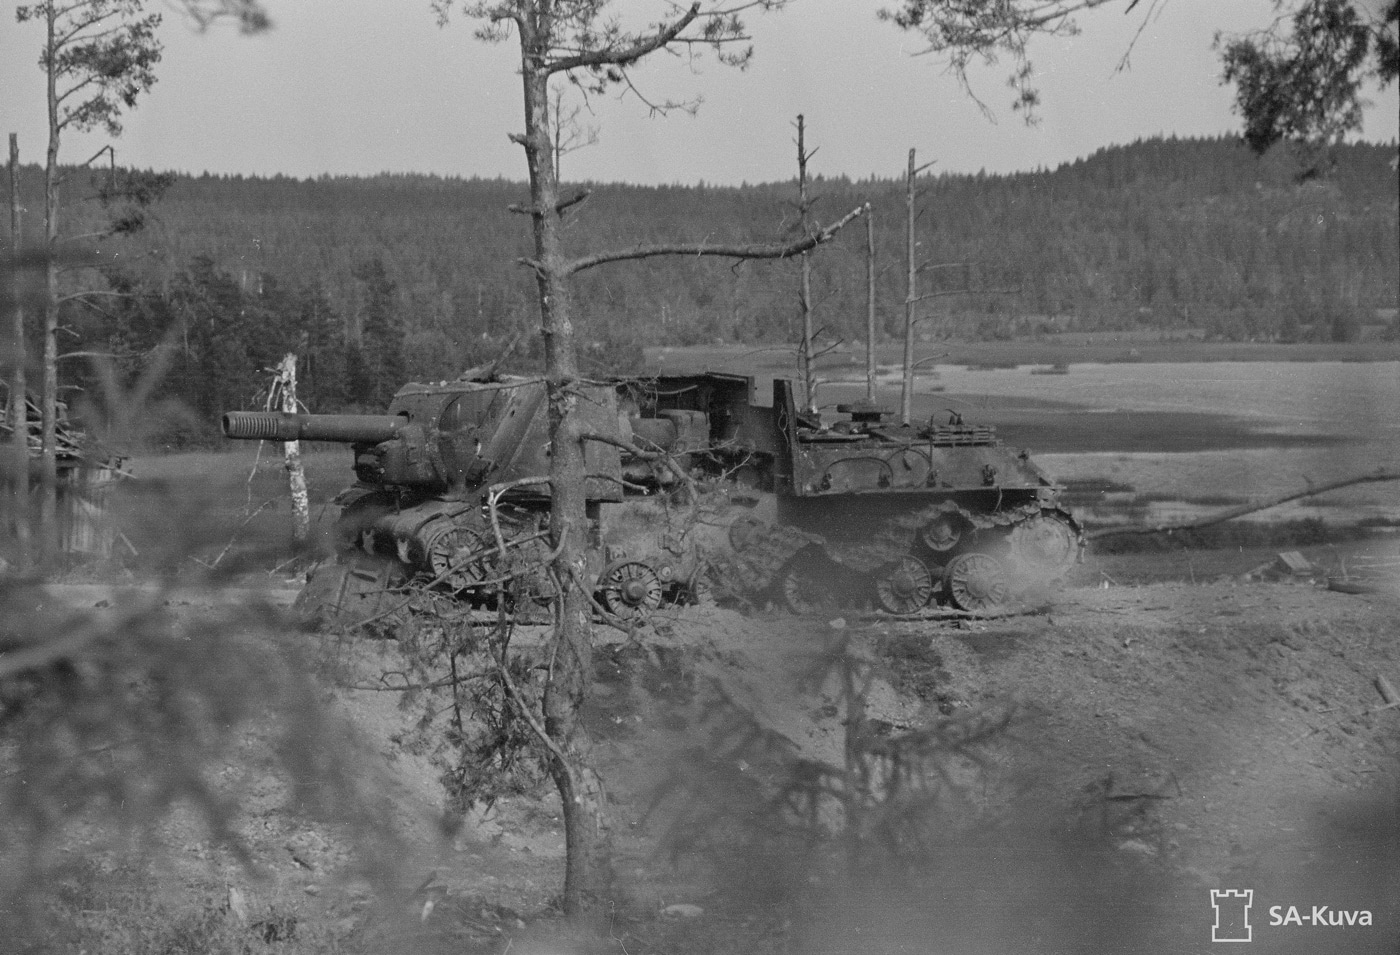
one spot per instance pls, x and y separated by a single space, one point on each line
451 472
864 510
858 511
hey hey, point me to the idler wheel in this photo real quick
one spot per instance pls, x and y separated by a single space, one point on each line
631 590
905 587
1047 544
976 582
943 532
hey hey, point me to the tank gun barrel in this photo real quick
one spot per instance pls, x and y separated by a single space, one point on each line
280 426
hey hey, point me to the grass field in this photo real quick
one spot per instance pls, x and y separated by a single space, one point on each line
1069 348
229 508
1144 442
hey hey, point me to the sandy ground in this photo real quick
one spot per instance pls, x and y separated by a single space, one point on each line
1217 735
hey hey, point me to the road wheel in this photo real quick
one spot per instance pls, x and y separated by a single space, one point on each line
905 586
809 585
458 556
1047 545
630 590
743 531
976 582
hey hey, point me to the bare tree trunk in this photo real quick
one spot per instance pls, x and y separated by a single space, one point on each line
588 867
48 451
869 304
583 800
911 296
809 383
19 387
291 451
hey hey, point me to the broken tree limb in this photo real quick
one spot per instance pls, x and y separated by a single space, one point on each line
1221 517
768 250
661 455
1387 690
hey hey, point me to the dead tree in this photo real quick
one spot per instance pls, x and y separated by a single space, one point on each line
869 305
97 56
911 289
19 387
581 40
804 298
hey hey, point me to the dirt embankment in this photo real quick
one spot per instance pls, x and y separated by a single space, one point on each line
1222 735
1212 736
1218 736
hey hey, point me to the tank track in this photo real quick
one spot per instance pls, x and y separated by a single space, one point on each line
895 537
747 571
740 574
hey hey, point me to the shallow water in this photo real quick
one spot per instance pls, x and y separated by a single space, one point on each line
1351 398
1357 402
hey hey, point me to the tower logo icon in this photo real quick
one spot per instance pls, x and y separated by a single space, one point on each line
1232 915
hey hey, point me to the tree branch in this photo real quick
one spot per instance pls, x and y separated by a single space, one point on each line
572 200
751 251
659 455
81 295
613 56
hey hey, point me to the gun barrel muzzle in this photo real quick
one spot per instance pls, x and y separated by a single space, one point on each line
280 426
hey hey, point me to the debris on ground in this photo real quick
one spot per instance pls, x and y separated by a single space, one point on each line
1284 565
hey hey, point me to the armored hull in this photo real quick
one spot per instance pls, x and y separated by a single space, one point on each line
864 511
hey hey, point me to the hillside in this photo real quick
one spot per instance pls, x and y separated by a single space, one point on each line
421 273
1168 740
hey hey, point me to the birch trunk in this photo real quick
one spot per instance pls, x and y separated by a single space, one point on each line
809 383
869 304
48 440
296 474
906 403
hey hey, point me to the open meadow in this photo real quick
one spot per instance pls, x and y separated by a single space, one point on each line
1153 441
1134 442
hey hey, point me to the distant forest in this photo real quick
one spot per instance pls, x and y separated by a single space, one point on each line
388 278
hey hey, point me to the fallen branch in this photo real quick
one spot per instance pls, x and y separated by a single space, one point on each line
1234 512
1387 691
661 454
234 538
528 715
493 497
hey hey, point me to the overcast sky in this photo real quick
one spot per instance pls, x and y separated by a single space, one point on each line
367 86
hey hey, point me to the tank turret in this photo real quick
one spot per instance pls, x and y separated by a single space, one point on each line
417 513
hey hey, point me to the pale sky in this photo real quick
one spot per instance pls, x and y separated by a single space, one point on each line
368 86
